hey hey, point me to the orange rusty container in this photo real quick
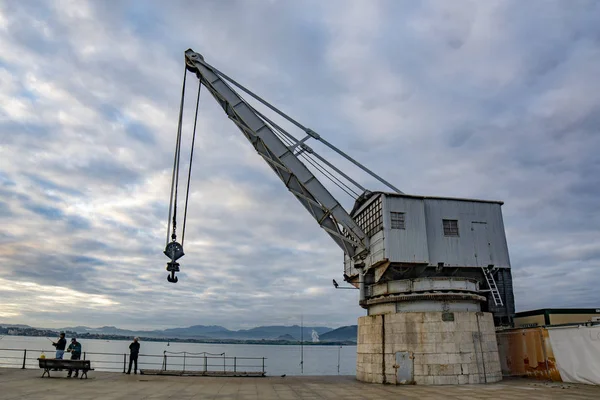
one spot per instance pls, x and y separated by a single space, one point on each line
527 352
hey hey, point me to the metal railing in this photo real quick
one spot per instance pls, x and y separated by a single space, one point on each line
209 360
119 362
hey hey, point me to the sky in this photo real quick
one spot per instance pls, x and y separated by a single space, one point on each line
495 100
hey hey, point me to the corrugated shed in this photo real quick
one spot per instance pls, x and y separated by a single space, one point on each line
480 240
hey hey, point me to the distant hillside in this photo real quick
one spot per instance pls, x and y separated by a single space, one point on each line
214 331
288 338
14 325
344 333
78 329
274 332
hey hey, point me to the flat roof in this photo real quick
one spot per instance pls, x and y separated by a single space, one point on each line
543 311
414 196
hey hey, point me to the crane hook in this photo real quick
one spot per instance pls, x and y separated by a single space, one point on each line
174 251
172 267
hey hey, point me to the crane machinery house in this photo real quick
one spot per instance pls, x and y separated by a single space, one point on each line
433 272
437 240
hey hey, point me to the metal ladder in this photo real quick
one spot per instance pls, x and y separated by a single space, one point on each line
489 277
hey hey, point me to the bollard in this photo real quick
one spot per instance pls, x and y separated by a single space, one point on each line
24 358
124 362
84 356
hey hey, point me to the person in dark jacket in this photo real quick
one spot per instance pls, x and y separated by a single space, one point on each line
60 346
75 350
134 350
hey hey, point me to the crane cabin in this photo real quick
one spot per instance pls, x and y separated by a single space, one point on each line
414 237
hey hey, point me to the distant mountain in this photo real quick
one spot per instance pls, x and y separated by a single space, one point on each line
14 325
344 333
210 331
288 338
111 330
78 329
273 332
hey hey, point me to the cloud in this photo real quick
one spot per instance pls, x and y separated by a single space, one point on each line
45 299
491 100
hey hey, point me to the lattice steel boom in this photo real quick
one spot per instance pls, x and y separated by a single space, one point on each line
284 160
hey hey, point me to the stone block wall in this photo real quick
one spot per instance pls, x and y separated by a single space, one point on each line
459 351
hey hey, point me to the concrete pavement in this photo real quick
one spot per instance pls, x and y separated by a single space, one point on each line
27 384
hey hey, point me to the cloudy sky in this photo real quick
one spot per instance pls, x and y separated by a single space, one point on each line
496 100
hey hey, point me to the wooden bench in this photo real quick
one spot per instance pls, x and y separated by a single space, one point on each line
50 363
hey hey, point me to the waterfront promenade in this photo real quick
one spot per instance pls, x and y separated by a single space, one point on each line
27 384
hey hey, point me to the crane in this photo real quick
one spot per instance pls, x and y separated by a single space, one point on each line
284 158
387 236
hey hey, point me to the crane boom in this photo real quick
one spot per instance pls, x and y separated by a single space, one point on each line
284 161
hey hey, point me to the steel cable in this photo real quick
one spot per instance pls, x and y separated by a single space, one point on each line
286 138
175 176
187 193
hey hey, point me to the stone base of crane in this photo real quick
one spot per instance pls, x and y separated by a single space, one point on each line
435 338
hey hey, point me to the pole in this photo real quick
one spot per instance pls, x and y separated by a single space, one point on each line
361 284
24 358
234 364
124 362
263 367
205 365
224 367
84 356
184 361
301 344
339 349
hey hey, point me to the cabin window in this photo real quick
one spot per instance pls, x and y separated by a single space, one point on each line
370 220
397 220
450 227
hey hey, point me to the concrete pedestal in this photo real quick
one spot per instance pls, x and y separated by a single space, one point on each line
428 348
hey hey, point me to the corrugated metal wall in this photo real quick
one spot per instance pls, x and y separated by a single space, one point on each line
505 286
460 251
409 244
481 240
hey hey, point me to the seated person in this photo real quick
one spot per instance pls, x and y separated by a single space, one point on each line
75 350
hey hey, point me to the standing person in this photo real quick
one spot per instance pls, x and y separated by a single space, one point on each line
75 349
60 346
134 350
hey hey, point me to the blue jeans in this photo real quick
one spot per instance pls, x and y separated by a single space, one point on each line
59 354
